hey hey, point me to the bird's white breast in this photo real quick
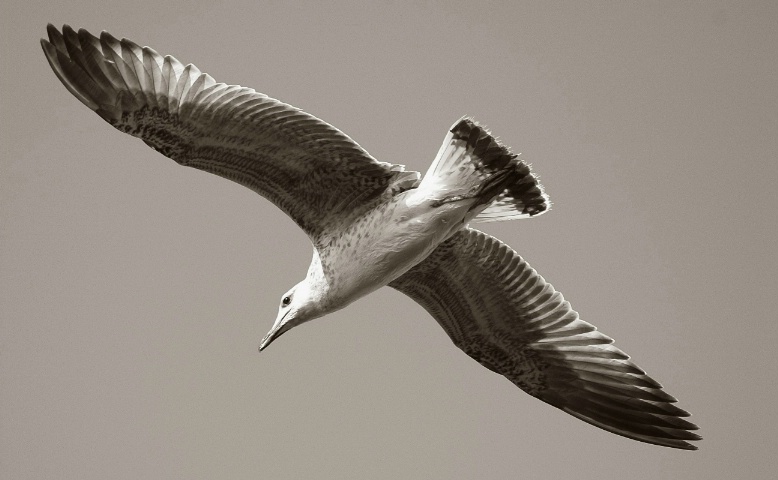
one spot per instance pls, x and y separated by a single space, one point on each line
385 243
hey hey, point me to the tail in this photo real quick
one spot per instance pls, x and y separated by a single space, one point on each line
471 163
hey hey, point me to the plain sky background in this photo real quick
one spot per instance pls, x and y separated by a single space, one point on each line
134 292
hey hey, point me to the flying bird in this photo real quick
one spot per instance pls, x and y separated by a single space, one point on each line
374 224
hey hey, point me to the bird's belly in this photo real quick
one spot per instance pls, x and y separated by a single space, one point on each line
388 244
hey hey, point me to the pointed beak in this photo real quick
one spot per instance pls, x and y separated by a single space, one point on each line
278 329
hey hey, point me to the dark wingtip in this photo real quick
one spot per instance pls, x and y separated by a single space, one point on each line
485 146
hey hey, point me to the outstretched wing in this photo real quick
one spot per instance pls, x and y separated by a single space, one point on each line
497 309
308 168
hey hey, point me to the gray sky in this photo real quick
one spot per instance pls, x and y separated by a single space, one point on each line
134 292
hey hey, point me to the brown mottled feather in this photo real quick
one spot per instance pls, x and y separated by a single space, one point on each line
498 310
308 168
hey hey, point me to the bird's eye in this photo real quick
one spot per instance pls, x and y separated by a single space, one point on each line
286 301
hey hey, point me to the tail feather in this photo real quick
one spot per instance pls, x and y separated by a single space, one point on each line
471 163
519 200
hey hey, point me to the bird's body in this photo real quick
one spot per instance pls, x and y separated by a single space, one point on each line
378 247
374 224
399 231
385 243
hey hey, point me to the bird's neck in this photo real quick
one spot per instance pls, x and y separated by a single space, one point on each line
334 285
320 285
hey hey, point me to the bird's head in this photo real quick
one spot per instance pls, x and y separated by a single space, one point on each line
298 305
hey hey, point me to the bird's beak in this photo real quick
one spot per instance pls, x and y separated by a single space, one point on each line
279 328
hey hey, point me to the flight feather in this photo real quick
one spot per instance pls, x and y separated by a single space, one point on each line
312 171
498 310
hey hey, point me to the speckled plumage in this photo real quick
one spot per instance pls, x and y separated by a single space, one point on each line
374 224
498 310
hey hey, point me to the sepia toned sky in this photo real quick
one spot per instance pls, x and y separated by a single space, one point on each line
134 292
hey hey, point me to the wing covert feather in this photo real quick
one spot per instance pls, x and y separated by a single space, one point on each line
498 310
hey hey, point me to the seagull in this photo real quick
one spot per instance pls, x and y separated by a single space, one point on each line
374 224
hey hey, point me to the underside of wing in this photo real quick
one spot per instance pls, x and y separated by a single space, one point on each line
498 310
308 168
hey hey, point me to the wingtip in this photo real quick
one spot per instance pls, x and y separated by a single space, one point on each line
51 53
55 37
684 445
109 41
665 437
